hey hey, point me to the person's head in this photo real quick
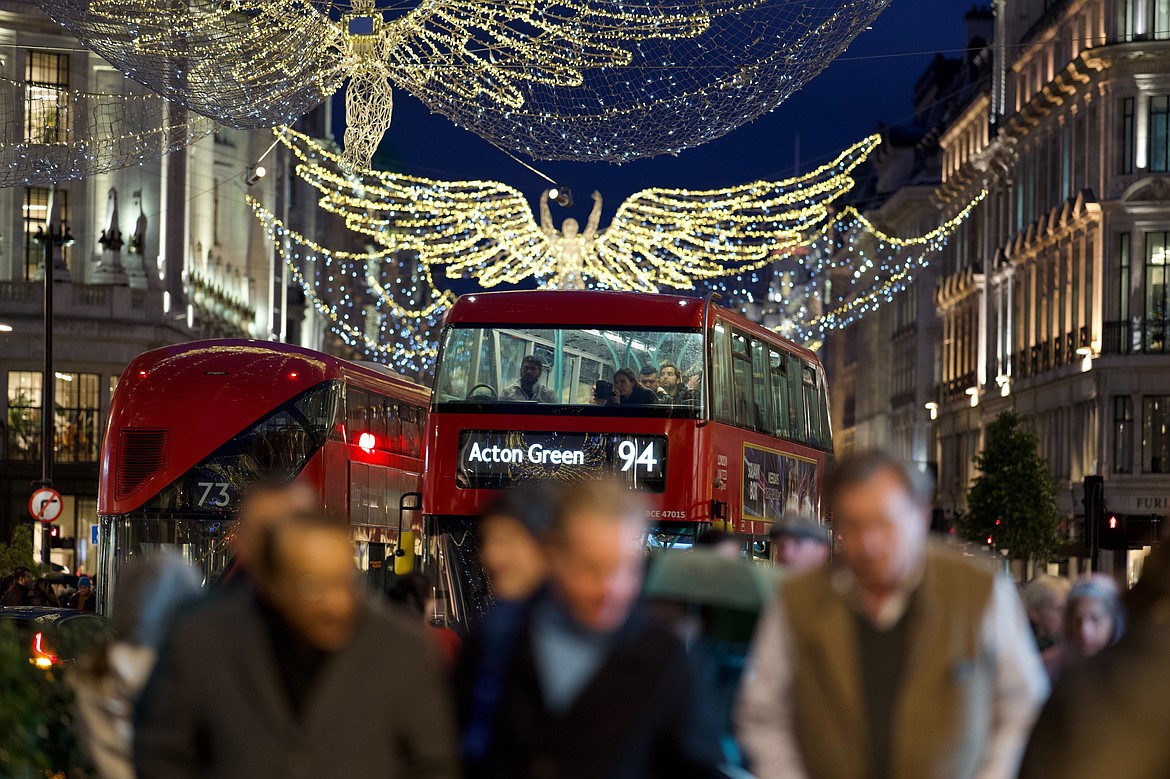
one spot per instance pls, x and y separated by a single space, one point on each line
595 553
1045 600
800 543
531 369
668 377
411 591
44 587
880 513
694 378
1094 617
265 505
511 532
570 228
308 575
648 377
85 585
22 576
624 382
721 542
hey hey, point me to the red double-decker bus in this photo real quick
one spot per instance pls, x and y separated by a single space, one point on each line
744 441
192 426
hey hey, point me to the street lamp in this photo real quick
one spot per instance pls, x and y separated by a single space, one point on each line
51 235
932 407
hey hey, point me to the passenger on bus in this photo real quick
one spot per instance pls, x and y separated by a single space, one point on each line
648 377
669 383
581 681
529 388
301 677
627 391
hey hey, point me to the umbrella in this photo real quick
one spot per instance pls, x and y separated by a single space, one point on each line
706 578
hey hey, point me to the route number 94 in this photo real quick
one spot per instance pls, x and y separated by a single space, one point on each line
631 458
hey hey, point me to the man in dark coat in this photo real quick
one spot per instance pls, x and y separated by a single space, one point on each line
301 678
579 681
20 593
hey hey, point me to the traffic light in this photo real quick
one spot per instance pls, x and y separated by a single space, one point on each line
1112 535
56 541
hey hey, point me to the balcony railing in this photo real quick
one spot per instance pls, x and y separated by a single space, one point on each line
1143 336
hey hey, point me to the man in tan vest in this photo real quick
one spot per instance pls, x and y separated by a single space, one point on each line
902 662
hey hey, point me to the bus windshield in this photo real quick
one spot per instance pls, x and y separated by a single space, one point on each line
573 369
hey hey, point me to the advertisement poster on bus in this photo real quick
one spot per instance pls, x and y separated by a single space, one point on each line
775 484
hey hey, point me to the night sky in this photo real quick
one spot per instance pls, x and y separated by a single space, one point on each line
872 82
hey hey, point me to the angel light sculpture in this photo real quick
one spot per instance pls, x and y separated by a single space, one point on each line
553 79
658 237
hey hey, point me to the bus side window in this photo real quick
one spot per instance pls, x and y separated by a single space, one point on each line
394 428
411 430
741 382
780 405
357 409
797 415
761 387
721 368
811 402
823 396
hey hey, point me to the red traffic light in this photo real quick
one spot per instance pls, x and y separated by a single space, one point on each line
1113 523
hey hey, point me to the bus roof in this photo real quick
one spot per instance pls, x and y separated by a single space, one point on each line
572 307
561 308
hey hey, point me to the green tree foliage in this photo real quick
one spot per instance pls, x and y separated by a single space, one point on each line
38 737
18 552
1013 501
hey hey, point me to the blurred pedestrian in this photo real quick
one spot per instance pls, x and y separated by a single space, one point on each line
1095 617
108 684
902 661
722 543
83 599
579 681
303 677
20 592
264 505
511 549
1045 599
800 544
43 596
414 593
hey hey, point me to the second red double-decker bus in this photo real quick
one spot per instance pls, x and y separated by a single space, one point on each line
535 386
193 426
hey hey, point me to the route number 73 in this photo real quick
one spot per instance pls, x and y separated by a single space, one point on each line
628 452
215 494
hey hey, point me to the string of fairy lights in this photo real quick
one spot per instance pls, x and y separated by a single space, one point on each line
825 270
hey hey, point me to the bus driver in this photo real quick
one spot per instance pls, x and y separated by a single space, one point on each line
529 388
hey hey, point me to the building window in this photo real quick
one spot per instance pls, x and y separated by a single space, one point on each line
1122 434
75 425
1123 252
1128 129
1160 134
76 420
46 104
24 416
34 213
1162 19
1155 442
1157 299
1127 27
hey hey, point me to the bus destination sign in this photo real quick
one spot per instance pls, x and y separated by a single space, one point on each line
496 459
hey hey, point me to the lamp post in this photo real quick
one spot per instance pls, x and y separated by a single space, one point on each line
53 234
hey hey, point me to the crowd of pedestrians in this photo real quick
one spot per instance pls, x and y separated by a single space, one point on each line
22 588
898 659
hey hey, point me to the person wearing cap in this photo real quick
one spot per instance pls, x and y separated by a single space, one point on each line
83 599
800 543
